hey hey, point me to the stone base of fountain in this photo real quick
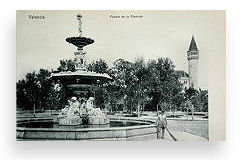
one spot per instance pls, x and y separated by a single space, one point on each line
91 120
25 131
70 121
98 120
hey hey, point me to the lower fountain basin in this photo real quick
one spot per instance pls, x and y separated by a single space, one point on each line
117 129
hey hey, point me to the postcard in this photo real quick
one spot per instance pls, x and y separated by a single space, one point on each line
131 75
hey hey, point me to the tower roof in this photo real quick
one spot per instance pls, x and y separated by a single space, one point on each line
193 46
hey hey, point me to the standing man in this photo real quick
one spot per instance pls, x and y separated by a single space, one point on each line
161 124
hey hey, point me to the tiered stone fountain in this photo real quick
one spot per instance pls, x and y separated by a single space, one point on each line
79 82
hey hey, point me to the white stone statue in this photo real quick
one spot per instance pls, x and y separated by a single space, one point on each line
70 114
89 103
95 115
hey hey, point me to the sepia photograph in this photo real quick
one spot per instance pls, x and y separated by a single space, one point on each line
131 75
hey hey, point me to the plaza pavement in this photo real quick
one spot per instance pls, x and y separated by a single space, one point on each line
180 136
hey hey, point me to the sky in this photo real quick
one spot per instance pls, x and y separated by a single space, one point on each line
152 34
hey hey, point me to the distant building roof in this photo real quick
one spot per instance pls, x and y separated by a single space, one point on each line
193 45
181 73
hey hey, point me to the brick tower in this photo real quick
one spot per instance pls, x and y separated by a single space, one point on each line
192 56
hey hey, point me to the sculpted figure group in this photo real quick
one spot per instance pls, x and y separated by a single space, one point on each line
77 111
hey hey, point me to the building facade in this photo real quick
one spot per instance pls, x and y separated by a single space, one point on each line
183 78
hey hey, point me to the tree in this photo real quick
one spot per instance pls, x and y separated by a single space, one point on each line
32 90
35 91
124 83
55 97
138 82
98 66
135 85
101 96
142 74
27 92
199 99
177 100
66 65
204 100
21 94
44 86
188 107
163 84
